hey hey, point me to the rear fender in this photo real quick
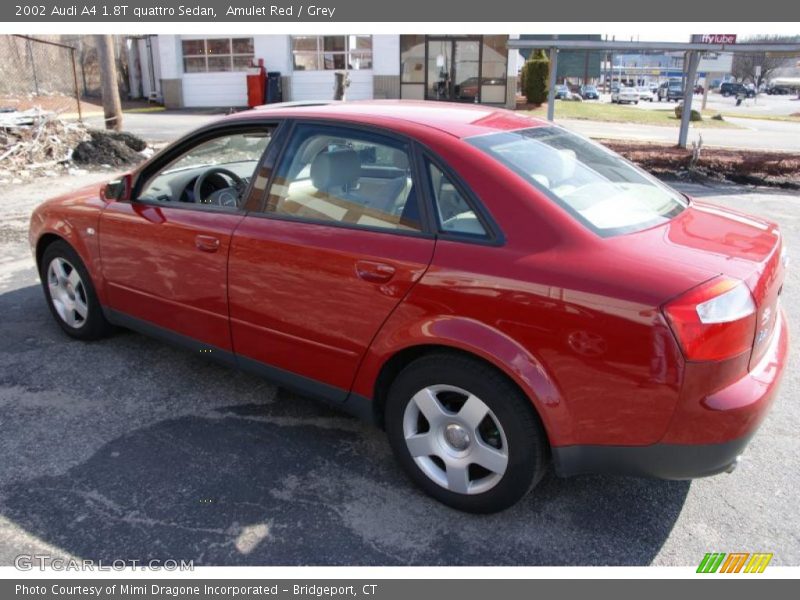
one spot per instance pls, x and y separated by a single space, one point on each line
475 338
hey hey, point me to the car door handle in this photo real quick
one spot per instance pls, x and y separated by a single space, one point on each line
374 272
206 243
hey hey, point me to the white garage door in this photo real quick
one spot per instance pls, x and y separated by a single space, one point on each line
318 85
215 89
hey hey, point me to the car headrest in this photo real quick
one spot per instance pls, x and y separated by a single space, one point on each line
400 160
338 168
568 165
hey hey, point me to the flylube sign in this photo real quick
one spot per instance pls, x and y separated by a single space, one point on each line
714 38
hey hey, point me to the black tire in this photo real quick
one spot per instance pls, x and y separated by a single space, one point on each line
95 325
527 447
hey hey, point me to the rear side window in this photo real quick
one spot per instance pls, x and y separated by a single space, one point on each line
453 213
335 174
604 191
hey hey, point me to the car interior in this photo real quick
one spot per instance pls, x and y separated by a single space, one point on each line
213 173
331 178
325 177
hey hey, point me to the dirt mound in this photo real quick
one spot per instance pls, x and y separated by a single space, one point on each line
109 148
36 143
780 169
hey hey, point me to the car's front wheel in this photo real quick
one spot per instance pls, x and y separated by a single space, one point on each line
70 293
464 433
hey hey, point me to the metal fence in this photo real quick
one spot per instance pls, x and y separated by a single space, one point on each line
52 73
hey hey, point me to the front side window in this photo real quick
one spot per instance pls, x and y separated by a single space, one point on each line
331 52
331 174
215 172
599 187
217 54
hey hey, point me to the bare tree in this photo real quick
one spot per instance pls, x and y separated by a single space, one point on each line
746 65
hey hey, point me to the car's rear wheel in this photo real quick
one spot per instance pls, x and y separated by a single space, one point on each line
70 293
464 433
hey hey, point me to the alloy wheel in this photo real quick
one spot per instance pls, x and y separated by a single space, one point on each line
67 292
455 439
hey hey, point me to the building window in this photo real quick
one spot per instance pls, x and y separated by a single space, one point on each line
494 59
331 52
412 58
217 54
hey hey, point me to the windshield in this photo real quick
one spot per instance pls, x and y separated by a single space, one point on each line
600 188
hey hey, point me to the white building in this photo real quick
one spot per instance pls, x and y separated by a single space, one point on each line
211 70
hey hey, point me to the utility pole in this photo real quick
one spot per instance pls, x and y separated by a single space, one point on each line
112 107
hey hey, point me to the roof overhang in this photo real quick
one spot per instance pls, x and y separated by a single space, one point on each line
784 48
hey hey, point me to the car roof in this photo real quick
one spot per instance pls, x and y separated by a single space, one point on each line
457 119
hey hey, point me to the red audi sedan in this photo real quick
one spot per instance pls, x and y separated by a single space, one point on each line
496 292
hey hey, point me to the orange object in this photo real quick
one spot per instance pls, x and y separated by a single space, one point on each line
256 85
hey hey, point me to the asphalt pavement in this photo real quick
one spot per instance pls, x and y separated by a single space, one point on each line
161 126
131 449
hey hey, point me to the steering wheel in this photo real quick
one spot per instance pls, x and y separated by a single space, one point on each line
216 197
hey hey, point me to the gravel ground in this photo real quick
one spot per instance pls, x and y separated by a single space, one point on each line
131 449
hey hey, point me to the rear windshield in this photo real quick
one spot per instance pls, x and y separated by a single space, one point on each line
600 188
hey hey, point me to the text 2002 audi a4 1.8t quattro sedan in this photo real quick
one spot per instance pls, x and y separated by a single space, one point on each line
494 291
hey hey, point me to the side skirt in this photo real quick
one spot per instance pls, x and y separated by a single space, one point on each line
353 404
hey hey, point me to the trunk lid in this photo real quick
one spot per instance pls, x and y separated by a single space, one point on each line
713 240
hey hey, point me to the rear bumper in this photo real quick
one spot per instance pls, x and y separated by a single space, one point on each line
665 461
737 410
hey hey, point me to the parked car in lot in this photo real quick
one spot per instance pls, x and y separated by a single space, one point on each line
778 90
589 92
736 89
624 95
490 289
645 93
671 91
562 92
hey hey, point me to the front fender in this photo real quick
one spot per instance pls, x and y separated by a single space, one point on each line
76 223
403 331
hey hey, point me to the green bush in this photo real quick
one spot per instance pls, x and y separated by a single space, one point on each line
535 73
695 116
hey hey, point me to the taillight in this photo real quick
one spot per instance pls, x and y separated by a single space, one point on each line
715 320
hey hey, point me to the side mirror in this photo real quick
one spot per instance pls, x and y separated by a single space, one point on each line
119 189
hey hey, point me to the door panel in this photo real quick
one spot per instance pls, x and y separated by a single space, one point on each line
168 266
466 70
453 72
439 76
308 298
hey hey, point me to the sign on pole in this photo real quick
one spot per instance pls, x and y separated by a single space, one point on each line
714 38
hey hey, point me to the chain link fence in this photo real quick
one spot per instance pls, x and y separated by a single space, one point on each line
52 73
